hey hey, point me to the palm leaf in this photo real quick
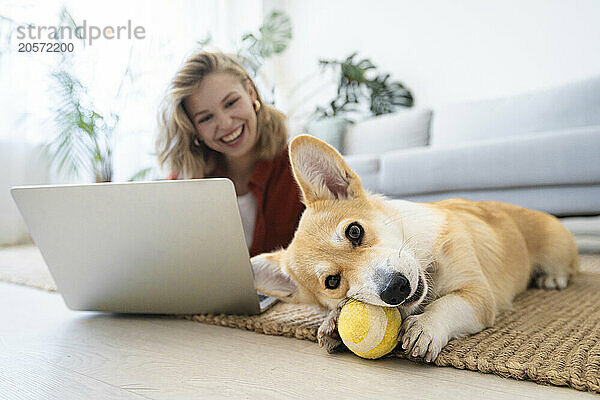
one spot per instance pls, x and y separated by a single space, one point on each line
83 140
142 174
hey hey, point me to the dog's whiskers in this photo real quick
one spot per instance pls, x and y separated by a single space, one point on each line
405 243
392 220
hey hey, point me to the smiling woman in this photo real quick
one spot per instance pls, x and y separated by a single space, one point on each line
224 111
213 123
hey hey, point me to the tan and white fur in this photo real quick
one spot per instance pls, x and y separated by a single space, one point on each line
449 266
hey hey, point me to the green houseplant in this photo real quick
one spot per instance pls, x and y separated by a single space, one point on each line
83 142
358 86
84 139
272 38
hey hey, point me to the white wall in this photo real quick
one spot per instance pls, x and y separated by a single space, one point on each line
20 164
445 51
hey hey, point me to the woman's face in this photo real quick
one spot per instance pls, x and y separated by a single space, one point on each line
221 109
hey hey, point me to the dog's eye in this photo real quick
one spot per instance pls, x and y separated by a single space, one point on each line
355 232
332 281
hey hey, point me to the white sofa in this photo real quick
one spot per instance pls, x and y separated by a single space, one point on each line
540 150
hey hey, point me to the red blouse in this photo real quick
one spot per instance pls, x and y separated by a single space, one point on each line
278 204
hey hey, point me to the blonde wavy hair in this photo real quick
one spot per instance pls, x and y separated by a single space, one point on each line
175 143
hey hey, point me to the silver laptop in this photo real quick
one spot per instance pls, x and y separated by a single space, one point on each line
167 247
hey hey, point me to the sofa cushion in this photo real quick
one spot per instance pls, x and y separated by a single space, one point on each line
555 158
400 130
363 163
366 167
573 105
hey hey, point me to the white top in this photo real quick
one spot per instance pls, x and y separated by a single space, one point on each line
247 206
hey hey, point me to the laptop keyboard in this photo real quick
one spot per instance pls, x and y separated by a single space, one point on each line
265 301
262 297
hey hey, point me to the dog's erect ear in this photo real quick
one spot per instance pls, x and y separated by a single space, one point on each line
269 276
321 171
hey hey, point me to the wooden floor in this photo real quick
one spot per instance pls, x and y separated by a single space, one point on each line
48 351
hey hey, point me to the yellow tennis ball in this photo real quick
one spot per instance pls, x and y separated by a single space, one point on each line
369 331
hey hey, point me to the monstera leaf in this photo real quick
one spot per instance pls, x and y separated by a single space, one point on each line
357 85
386 97
273 36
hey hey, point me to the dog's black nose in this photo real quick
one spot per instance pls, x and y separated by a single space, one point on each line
396 290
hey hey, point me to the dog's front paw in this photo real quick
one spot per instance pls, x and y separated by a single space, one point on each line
420 337
328 335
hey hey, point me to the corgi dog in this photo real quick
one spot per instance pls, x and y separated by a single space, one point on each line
448 266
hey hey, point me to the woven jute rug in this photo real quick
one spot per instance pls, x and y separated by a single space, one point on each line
550 337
